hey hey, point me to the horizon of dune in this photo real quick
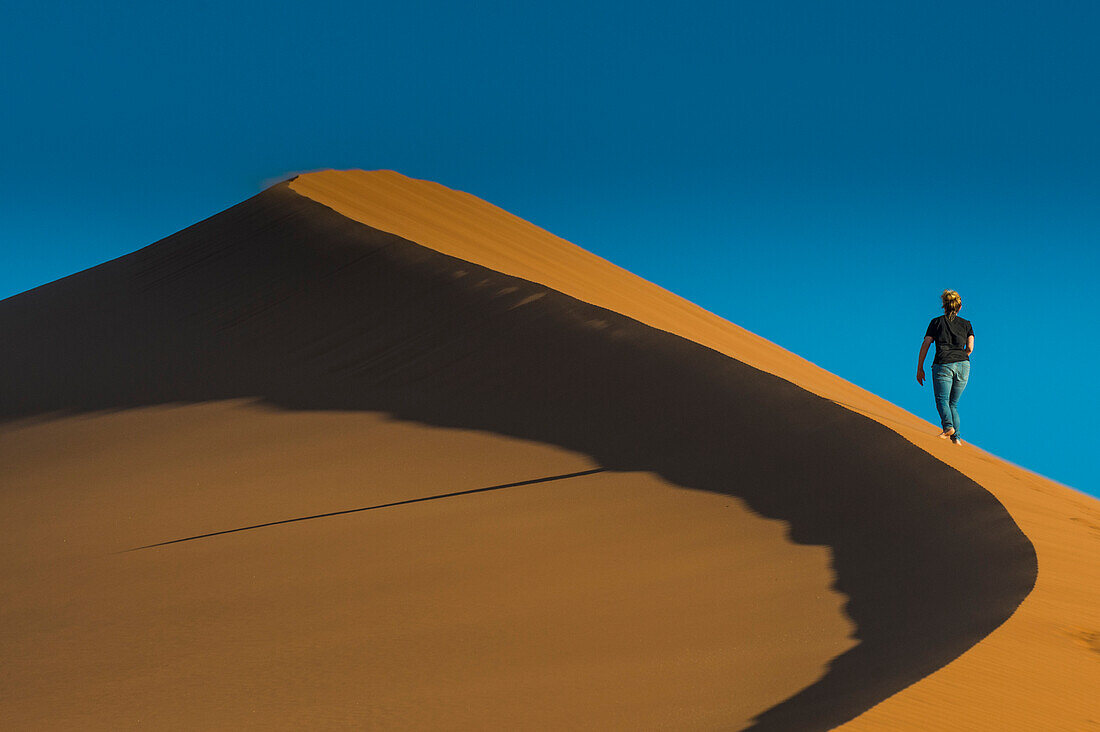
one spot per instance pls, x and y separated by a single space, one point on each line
530 488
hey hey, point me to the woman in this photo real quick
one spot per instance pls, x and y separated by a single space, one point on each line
954 339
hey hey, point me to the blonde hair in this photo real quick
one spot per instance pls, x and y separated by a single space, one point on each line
952 301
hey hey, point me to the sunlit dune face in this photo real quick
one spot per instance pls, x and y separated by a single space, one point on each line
600 599
282 469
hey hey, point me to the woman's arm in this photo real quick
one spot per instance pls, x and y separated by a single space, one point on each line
969 345
923 353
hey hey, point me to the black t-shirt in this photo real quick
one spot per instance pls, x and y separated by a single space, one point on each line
950 336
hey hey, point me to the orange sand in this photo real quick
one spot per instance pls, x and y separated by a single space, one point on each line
1040 670
273 364
520 607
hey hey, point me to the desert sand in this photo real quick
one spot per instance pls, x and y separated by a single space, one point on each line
366 451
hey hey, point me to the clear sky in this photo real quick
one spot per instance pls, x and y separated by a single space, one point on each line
816 172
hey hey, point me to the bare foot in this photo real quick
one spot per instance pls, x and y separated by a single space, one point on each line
947 433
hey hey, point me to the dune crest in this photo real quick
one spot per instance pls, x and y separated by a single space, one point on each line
1036 671
435 465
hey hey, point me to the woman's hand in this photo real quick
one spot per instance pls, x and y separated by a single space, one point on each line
920 375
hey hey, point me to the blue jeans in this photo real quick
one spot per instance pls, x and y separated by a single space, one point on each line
948 382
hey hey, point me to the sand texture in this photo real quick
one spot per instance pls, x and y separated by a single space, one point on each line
365 451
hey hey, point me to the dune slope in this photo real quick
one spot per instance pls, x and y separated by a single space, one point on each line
282 299
1037 671
576 597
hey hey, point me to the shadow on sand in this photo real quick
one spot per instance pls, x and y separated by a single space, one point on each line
281 298
330 514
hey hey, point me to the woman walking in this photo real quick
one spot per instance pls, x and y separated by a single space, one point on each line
954 339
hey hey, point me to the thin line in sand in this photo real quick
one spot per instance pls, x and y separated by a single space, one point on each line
371 508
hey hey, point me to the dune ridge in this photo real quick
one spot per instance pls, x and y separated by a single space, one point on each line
1042 661
325 315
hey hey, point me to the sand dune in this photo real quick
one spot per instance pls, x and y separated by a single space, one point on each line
661 519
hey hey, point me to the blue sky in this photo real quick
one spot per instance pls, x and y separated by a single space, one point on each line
814 171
